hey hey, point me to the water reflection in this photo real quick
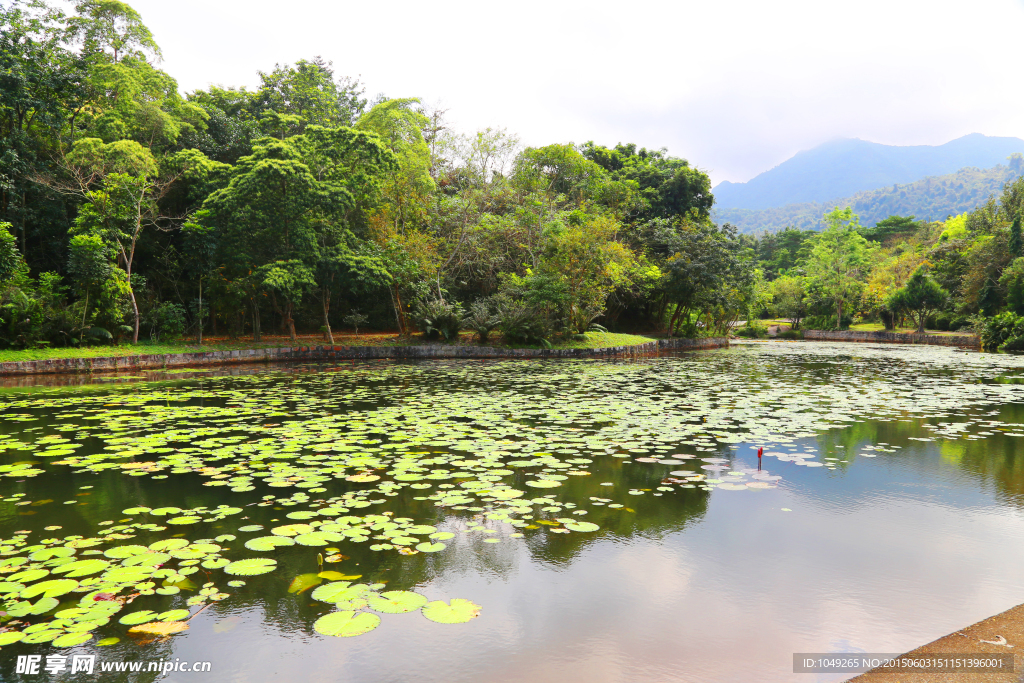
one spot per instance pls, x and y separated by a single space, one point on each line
866 553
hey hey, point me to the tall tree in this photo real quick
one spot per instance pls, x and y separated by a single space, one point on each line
838 260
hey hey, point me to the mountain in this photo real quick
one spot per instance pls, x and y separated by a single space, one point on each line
931 198
844 167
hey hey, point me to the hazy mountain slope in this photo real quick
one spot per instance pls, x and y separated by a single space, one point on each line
932 198
842 168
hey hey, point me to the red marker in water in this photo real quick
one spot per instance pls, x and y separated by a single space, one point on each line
760 450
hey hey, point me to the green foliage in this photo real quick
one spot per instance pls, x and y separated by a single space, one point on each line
1001 331
1012 280
438 318
10 259
920 296
481 319
166 321
837 261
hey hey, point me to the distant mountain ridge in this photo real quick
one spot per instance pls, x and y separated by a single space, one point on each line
845 167
931 198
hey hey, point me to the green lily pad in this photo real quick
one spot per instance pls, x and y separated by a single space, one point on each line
82 568
50 589
430 547
72 639
251 567
263 544
396 602
458 612
581 526
140 617
10 637
125 551
346 624
173 615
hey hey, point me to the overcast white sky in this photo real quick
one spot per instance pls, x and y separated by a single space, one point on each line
735 86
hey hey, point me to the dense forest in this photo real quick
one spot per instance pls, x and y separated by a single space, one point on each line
932 198
964 273
131 210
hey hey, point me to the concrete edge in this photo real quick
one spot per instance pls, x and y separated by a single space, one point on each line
960 341
331 353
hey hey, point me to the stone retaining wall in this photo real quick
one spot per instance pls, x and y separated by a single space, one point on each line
880 337
331 353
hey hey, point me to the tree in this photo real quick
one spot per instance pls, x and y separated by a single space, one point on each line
291 280
111 28
1016 245
89 264
789 297
920 296
199 243
838 259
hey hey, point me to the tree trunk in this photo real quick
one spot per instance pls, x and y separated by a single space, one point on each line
81 336
256 332
289 320
200 311
839 315
672 320
135 310
921 315
326 300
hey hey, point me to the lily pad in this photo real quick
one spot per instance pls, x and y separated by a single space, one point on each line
251 567
457 612
395 602
346 624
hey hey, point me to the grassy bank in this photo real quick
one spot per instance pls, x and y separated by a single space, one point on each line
594 340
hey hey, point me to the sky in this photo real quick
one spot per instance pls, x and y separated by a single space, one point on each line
734 86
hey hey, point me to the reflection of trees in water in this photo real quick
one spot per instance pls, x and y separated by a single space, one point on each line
996 460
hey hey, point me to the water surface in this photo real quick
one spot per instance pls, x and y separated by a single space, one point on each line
886 513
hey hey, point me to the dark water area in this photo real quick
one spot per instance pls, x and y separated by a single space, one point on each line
609 519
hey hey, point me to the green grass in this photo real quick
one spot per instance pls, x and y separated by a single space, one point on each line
601 340
594 340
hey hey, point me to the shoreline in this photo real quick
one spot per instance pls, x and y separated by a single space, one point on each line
332 353
975 639
882 337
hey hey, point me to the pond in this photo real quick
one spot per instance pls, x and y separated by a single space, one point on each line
513 520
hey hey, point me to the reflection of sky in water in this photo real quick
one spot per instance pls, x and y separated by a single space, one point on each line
881 554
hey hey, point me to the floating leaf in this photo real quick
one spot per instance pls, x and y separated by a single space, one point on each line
396 602
268 543
125 551
430 547
162 628
10 637
459 611
72 639
303 582
251 567
346 624
173 615
50 589
82 568
140 617
581 526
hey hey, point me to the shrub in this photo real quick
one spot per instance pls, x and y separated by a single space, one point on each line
355 319
481 319
1000 329
826 323
521 323
754 329
166 320
437 318
790 334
